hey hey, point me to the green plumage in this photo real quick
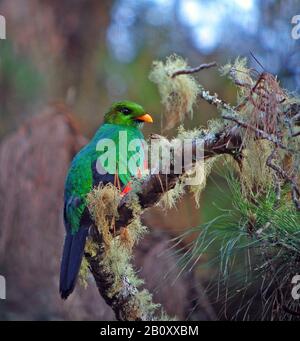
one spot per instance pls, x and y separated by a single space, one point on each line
121 129
81 178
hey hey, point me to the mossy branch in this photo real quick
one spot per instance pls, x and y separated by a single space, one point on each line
118 228
255 119
280 109
109 256
226 141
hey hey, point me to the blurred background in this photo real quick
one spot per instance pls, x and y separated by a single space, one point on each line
61 65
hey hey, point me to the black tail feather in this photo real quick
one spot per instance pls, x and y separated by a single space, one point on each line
71 261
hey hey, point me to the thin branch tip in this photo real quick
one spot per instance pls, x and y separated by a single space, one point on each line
193 70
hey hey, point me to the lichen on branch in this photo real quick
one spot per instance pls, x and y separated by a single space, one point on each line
109 257
261 135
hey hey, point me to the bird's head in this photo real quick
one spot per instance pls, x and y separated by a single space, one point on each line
127 113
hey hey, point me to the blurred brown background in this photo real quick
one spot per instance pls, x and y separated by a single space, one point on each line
61 66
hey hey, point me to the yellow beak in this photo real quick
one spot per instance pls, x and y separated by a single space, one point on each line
145 118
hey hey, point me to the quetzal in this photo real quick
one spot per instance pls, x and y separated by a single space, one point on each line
122 119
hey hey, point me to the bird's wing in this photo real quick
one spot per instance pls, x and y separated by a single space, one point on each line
78 184
77 219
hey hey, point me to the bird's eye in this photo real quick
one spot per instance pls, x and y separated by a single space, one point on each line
125 111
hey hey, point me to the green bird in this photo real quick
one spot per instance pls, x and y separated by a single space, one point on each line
94 165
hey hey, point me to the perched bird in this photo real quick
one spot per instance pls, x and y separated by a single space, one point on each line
123 119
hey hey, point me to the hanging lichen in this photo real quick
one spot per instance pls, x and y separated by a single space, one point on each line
193 179
255 175
179 94
170 198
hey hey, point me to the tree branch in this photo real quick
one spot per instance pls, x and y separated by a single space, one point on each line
193 70
228 141
126 301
